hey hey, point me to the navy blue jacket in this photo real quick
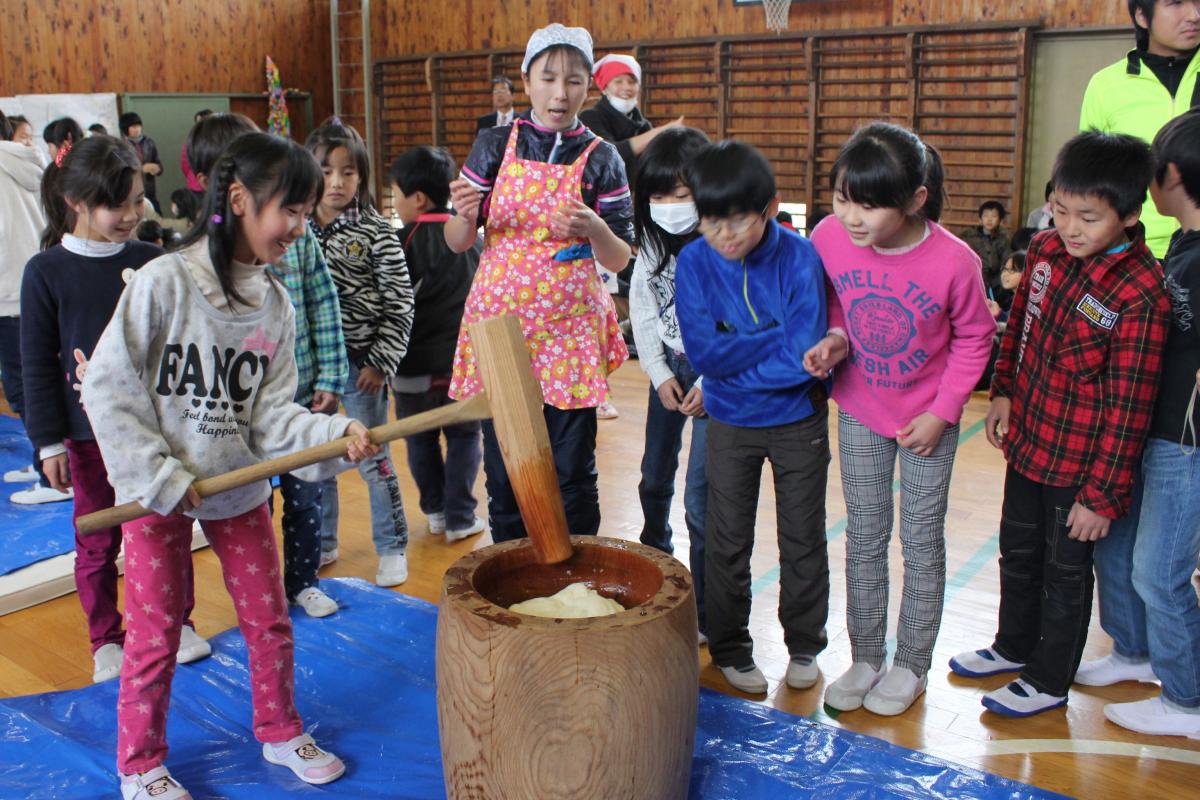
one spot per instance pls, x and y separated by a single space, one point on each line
747 324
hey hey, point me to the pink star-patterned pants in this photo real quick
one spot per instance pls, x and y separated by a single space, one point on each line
157 553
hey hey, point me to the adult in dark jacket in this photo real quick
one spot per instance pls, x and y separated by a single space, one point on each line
147 150
502 102
616 117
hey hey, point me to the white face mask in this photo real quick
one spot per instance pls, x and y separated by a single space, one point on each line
623 105
676 218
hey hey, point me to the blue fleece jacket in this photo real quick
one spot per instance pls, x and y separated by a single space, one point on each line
747 324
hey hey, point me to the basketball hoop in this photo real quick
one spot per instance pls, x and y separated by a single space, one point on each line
777 14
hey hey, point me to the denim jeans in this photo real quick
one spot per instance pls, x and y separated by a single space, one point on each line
660 460
1144 569
389 530
573 443
446 484
301 533
14 386
1045 584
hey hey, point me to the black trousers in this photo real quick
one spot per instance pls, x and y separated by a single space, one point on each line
573 442
1046 584
799 456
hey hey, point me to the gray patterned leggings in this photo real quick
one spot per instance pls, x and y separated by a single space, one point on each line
868 463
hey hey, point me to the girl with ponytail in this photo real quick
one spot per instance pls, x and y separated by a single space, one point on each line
92 198
195 376
908 310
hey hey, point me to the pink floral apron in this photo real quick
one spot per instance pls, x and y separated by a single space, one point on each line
569 320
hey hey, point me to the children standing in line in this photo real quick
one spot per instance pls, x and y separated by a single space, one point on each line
321 369
194 376
554 199
93 202
1072 400
665 218
750 298
441 278
1144 566
366 260
910 309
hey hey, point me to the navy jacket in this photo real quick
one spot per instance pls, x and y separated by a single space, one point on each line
746 326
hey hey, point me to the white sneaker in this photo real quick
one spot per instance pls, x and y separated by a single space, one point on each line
701 639
1111 669
1154 716
746 679
607 410
328 557
393 570
106 662
848 691
315 602
155 784
1020 699
437 522
802 672
981 663
895 692
27 475
308 762
458 534
36 495
192 646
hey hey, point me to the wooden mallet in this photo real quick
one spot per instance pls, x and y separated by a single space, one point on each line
513 399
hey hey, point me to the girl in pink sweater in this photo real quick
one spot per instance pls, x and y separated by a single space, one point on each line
908 312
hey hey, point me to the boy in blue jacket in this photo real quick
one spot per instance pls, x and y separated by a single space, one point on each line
750 297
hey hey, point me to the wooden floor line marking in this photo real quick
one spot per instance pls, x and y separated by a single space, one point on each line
1007 747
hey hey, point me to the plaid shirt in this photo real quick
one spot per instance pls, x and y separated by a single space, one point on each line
1080 361
321 363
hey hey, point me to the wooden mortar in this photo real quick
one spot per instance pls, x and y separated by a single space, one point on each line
537 708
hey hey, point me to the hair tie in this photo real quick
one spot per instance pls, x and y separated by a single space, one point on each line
217 219
63 149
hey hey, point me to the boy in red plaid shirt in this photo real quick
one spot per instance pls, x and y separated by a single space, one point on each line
1072 398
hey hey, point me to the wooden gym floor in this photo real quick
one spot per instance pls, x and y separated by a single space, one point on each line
1074 750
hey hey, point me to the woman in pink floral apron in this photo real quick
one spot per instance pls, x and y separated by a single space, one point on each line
555 201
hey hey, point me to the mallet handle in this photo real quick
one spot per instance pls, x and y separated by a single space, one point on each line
474 408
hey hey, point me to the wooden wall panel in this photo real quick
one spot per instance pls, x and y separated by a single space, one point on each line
1053 13
63 46
404 27
795 97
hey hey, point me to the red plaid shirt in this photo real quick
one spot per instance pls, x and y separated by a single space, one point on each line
1080 361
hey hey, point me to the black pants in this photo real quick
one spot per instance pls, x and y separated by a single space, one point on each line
799 456
1046 584
573 442
14 385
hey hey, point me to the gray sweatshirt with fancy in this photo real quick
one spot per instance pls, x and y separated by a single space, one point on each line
177 390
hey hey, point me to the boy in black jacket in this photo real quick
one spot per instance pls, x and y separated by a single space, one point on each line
420 182
1144 566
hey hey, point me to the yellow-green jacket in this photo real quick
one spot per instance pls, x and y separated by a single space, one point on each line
1126 97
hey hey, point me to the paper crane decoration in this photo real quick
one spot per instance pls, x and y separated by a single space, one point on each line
278 121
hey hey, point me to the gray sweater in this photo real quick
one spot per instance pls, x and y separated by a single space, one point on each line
177 390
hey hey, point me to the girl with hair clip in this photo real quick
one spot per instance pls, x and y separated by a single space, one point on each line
907 308
59 132
93 204
554 201
195 376
366 261
665 218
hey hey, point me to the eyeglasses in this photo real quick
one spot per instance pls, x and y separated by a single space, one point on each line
714 227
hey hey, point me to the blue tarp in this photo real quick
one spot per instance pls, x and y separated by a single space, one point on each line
365 687
30 533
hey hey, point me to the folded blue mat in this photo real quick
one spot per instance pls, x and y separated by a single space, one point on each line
31 533
365 683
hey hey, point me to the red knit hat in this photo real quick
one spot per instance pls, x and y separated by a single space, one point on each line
611 66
